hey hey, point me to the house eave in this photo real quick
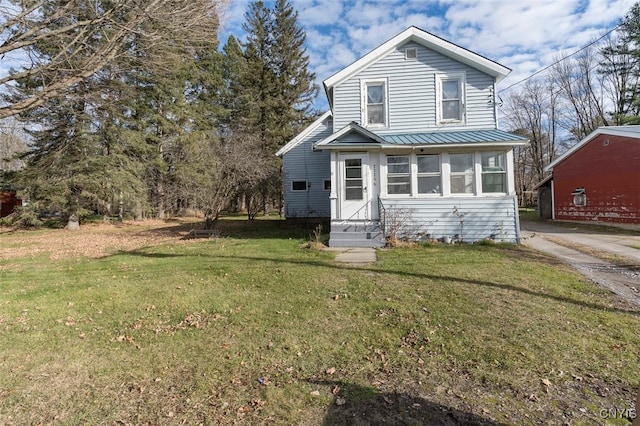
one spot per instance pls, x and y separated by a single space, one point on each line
302 135
351 146
623 131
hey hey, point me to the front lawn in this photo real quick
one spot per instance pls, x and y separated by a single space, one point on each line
252 328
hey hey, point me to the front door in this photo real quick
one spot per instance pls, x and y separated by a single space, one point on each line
354 183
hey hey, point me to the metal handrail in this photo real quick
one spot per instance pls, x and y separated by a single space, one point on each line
382 214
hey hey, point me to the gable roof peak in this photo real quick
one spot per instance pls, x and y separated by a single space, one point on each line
425 39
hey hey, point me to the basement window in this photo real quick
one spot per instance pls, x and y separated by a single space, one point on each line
299 185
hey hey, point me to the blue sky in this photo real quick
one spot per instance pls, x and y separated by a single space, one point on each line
525 36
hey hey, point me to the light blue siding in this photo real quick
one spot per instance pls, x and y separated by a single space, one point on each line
462 219
412 92
302 163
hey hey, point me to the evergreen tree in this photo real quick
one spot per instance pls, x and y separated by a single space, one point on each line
295 83
113 137
621 66
277 88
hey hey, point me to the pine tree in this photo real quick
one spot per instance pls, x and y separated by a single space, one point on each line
296 89
114 135
277 87
621 66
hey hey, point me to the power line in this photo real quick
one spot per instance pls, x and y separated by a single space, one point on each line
562 59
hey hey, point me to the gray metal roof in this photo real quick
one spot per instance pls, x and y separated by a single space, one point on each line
454 137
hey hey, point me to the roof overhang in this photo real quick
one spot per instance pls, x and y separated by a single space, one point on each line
427 40
543 181
487 138
623 131
333 141
302 135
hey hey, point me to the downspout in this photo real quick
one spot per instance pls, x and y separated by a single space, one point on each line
553 199
517 214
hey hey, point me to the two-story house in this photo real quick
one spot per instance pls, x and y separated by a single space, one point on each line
410 147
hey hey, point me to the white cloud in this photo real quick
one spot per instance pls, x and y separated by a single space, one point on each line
525 36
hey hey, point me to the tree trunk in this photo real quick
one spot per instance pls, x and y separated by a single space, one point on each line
139 216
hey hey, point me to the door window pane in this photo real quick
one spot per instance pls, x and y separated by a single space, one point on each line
353 179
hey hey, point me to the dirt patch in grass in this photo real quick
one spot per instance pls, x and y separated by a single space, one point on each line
94 240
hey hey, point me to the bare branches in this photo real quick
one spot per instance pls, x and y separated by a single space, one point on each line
63 43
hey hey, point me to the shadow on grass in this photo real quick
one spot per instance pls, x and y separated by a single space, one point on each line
332 264
359 405
239 228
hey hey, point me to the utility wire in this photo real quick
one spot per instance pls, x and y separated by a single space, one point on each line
562 59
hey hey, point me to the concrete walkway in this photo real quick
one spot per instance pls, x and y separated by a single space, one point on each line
354 255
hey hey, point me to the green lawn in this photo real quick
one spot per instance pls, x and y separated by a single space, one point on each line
252 328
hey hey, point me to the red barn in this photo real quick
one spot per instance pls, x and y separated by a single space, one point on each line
598 179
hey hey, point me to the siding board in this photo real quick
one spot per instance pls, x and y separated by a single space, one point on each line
436 218
412 92
303 163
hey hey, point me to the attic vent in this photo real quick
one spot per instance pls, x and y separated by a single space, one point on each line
411 53
605 142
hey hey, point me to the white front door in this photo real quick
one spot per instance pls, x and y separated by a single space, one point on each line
354 187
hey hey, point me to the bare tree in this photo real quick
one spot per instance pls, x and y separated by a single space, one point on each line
83 36
582 88
533 112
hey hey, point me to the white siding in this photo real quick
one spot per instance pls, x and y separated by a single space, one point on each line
436 218
302 163
412 93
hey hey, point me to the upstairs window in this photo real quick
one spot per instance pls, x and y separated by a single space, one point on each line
461 173
429 174
375 103
398 174
450 98
494 173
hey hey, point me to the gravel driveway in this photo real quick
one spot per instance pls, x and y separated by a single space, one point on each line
611 260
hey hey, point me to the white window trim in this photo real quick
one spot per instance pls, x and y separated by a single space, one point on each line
445 176
363 102
505 172
415 176
412 174
474 173
461 77
407 56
